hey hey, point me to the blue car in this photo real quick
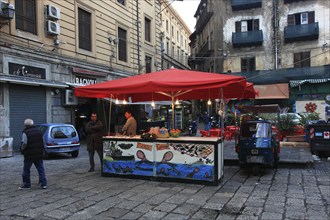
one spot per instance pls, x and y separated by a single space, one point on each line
60 138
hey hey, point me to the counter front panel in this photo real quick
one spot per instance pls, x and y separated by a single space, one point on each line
191 160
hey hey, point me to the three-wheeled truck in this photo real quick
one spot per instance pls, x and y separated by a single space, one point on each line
258 140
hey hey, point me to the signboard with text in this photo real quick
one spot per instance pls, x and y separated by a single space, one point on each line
27 71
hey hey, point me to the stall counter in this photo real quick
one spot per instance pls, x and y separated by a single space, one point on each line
183 159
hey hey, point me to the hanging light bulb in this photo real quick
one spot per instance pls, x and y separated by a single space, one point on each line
209 102
117 102
177 102
152 103
124 102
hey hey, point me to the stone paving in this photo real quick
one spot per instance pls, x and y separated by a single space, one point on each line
289 192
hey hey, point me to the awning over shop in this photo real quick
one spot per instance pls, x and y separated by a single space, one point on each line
273 91
32 81
295 83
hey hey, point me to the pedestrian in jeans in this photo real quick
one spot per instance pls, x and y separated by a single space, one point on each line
94 140
206 120
32 147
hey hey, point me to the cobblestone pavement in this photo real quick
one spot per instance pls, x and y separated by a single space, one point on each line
290 192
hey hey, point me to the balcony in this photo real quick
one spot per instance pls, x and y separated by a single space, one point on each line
206 50
203 20
249 38
245 4
192 60
290 1
301 32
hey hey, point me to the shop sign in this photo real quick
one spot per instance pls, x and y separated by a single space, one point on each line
84 80
27 71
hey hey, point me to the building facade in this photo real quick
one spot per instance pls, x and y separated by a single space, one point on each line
174 37
50 46
269 42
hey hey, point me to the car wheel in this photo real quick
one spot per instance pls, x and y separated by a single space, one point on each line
75 153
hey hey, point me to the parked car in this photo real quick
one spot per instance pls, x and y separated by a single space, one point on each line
319 138
60 138
296 118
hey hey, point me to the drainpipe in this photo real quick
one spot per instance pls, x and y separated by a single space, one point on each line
138 34
275 3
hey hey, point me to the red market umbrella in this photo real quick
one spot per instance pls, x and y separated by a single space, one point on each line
166 84
171 84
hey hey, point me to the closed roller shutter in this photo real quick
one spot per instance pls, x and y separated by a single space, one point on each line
25 102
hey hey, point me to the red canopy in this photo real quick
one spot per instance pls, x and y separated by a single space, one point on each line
166 84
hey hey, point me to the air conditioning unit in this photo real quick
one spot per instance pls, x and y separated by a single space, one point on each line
52 28
70 98
52 12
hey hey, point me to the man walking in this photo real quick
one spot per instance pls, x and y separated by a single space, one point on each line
94 140
32 148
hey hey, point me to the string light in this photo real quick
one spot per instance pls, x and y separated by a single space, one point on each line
124 102
117 102
177 102
209 102
152 100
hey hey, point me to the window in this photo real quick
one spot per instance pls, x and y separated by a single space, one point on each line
172 31
167 47
1 95
85 35
302 59
167 26
147 29
247 25
25 13
248 64
148 64
122 2
301 18
122 44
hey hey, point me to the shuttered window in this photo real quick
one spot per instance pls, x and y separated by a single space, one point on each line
122 44
301 18
247 25
148 64
302 59
85 35
25 13
248 64
147 29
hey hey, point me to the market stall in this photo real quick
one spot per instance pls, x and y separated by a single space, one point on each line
188 159
172 85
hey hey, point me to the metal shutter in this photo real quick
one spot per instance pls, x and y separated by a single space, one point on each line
25 102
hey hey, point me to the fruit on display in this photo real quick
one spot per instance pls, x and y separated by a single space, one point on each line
175 132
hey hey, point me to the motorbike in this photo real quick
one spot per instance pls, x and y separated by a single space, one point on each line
257 146
214 122
192 128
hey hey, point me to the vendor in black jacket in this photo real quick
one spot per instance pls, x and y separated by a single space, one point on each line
32 148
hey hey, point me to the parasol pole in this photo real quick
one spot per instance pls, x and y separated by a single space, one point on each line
110 114
172 112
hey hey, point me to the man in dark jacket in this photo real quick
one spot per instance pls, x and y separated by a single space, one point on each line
32 148
94 140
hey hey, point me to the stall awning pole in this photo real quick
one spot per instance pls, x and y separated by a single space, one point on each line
110 115
173 112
